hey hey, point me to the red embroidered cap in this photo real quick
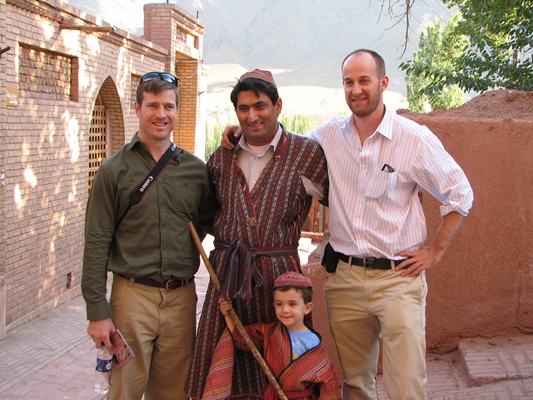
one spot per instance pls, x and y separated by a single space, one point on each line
292 279
259 74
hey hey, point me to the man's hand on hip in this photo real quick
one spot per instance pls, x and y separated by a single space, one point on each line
426 257
417 261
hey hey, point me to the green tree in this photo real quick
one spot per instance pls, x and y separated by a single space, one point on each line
439 49
499 54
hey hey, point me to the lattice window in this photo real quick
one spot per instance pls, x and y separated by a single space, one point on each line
97 141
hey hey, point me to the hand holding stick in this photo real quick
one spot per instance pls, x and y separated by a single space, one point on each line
235 318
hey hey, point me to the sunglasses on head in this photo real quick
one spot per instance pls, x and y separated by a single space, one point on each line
164 76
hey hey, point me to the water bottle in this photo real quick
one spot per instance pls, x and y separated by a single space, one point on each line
104 359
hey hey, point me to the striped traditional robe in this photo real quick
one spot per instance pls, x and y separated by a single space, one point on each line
271 215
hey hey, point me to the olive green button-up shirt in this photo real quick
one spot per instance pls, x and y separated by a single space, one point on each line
153 240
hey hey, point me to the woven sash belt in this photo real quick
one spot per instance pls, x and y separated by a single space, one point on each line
239 275
259 251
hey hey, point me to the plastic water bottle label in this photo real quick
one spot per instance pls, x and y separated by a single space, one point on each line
103 365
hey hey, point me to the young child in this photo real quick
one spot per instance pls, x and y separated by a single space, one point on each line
292 350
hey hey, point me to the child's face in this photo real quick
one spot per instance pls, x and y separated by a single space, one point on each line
290 309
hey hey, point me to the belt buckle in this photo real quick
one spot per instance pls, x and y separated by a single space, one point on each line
167 283
368 262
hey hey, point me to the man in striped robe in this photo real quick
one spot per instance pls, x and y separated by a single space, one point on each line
265 188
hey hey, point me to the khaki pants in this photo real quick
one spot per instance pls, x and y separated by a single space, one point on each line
364 305
160 326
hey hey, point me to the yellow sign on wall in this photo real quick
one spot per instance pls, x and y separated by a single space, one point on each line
12 97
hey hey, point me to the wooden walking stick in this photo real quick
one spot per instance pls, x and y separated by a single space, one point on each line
235 317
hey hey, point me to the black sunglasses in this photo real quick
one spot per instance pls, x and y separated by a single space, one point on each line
164 76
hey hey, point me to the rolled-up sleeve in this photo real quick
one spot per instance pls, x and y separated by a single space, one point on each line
436 171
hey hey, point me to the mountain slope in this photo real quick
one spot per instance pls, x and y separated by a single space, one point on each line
302 41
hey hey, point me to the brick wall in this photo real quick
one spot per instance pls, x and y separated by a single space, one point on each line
3 119
60 75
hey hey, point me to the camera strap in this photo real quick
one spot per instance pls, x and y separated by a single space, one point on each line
137 195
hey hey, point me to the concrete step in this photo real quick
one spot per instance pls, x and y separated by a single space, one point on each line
488 369
492 360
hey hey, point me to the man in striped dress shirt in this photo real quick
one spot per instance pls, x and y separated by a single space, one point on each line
377 163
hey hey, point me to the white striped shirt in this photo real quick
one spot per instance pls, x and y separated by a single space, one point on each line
374 208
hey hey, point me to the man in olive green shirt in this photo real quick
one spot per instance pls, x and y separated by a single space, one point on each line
149 249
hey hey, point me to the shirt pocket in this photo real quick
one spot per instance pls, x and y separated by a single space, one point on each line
380 184
127 186
186 196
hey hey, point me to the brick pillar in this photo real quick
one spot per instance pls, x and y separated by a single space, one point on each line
169 26
3 129
159 29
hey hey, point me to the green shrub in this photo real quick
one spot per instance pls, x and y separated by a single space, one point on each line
297 123
213 136
214 129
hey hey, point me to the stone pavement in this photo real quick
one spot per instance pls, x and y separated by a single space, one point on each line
52 358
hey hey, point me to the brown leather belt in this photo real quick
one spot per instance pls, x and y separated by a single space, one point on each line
370 263
169 285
